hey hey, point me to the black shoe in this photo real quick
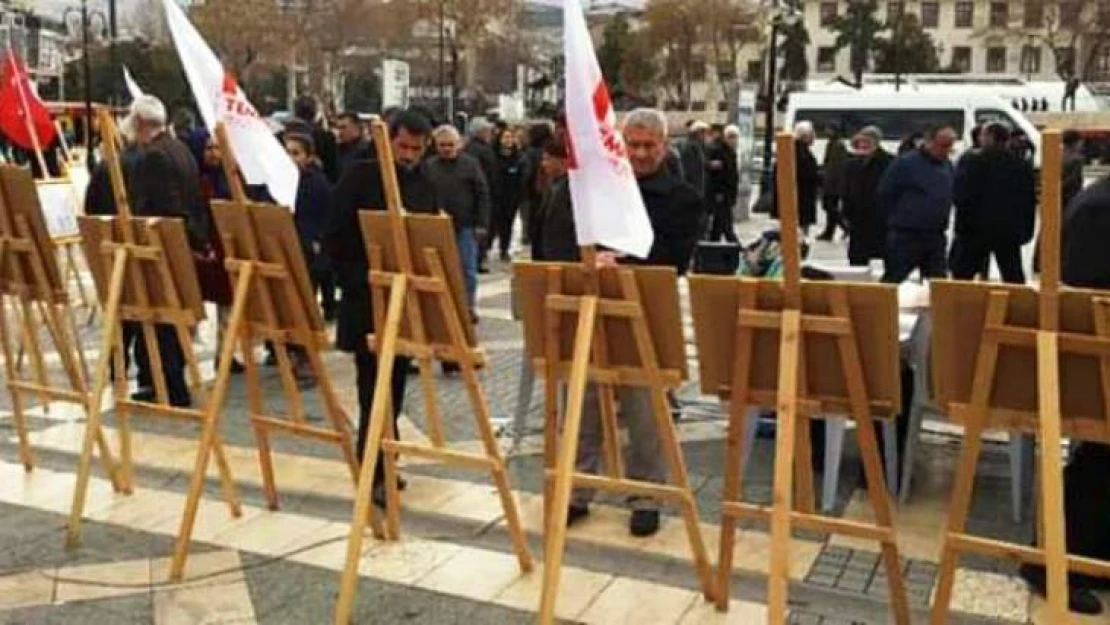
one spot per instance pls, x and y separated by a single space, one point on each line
378 495
576 512
1080 600
402 484
825 237
644 523
330 315
181 401
145 395
237 367
483 269
505 257
450 368
270 360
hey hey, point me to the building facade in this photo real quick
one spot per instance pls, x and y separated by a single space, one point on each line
1035 39
39 41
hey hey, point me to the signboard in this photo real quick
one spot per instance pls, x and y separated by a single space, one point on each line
510 108
395 84
745 150
59 208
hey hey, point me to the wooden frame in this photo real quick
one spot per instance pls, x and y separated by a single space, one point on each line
265 261
144 274
615 341
820 347
1033 361
29 275
419 311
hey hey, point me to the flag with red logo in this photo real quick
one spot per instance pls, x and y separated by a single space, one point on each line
608 207
261 158
21 111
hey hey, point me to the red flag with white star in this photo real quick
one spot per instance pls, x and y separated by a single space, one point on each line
24 119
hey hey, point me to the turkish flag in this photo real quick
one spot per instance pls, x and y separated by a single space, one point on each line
21 111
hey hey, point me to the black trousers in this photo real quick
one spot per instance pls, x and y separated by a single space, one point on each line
173 362
366 367
907 250
971 256
721 218
501 228
831 205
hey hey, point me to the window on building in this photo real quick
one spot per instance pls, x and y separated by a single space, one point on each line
1103 16
996 60
930 14
961 59
965 14
1000 14
894 11
1030 59
1102 64
1034 14
1065 60
698 67
1069 14
826 59
828 13
755 72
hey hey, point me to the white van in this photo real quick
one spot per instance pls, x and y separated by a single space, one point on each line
900 114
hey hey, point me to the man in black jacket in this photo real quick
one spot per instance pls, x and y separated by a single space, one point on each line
862 216
723 185
360 188
479 145
306 121
996 204
1085 263
164 182
676 213
352 145
464 193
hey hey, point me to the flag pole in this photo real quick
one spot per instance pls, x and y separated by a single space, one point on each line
27 116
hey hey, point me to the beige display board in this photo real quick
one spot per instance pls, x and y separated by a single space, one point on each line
416 287
1023 360
802 349
30 279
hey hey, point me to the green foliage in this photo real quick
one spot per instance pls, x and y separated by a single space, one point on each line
795 40
156 69
858 30
908 50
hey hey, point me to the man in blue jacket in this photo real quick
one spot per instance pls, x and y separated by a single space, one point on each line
916 196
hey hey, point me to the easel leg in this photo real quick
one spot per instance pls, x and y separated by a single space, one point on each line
778 577
92 427
154 355
335 411
1052 477
192 368
123 417
389 473
433 419
255 404
379 413
564 471
25 454
211 425
72 263
734 460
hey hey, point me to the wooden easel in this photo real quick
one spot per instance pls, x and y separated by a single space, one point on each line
1014 358
617 340
273 301
836 347
144 274
30 276
425 319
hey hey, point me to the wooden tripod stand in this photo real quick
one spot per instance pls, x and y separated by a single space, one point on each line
419 312
836 348
618 340
145 277
30 275
1013 358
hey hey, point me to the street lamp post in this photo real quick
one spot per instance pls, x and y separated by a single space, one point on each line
85 16
780 15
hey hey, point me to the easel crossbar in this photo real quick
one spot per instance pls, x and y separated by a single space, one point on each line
1023 553
619 376
632 487
479 462
811 324
291 428
815 522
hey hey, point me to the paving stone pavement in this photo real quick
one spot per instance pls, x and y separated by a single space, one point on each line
842 584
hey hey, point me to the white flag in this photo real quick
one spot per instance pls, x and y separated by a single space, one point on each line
261 157
132 86
608 207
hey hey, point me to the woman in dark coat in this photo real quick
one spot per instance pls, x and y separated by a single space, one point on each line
510 168
863 218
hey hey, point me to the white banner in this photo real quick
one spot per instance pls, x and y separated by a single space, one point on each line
132 87
608 207
261 157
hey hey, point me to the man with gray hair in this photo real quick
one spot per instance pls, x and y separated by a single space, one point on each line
865 222
164 182
464 193
808 177
676 213
480 146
